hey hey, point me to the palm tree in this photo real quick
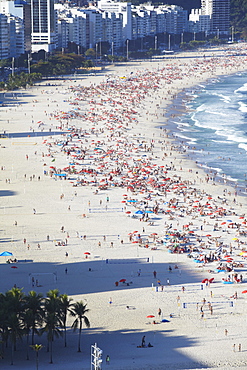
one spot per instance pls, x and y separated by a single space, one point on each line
65 304
37 348
79 310
14 301
52 319
15 331
33 304
3 321
27 324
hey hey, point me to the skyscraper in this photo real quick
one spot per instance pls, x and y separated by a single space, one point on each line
219 12
42 25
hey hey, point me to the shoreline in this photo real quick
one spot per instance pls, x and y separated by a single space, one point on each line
180 109
185 340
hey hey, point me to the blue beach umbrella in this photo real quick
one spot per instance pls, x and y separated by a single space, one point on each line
7 254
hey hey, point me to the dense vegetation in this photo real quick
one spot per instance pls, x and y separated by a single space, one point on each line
239 15
32 315
20 80
59 64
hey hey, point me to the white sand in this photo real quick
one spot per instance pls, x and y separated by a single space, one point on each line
186 341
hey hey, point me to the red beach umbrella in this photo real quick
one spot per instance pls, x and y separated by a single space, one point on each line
244 291
122 280
87 253
150 316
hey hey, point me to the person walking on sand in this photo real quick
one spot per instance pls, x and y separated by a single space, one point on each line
107 360
143 341
155 274
159 312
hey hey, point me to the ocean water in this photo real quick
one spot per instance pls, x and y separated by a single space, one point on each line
215 127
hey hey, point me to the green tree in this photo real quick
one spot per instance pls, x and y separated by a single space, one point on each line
52 319
90 53
37 348
65 306
34 309
78 311
3 321
15 331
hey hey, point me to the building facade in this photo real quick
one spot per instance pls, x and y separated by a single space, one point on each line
43 25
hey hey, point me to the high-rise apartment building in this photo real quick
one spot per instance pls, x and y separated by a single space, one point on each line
4 35
22 13
219 12
43 25
123 8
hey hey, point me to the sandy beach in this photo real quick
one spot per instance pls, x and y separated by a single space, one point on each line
95 190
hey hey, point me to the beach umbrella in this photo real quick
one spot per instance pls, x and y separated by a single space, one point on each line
244 291
165 320
150 316
7 254
139 212
204 281
87 253
14 267
122 280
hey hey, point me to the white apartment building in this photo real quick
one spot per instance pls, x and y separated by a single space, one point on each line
94 25
199 22
140 23
21 11
161 21
16 36
121 8
72 29
112 29
4 37
43 25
